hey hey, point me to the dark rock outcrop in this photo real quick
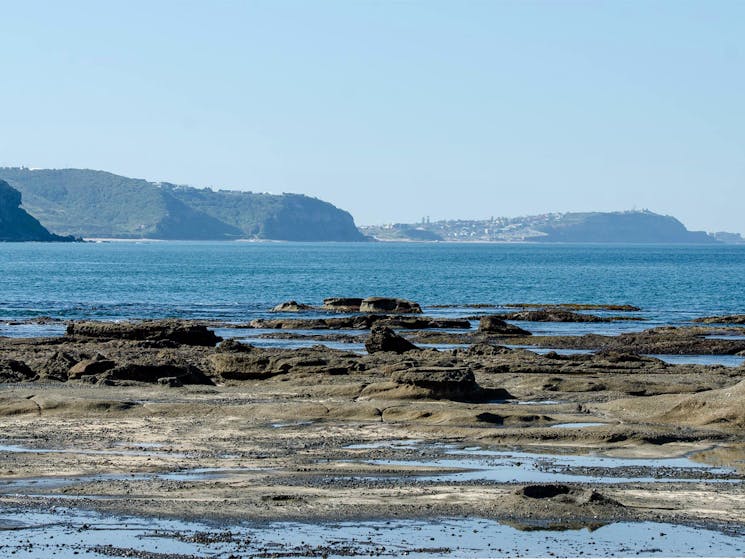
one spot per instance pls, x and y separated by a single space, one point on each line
371 305
361 322
176 331
16 224
383 338
12 370
494 325
342 304
566 494
389 305
166 374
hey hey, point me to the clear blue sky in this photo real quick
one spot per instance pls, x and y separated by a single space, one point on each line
392 110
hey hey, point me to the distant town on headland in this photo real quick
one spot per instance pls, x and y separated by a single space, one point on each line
635 226
70 204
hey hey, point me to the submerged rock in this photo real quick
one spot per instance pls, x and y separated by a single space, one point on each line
560 315
725 319
575 307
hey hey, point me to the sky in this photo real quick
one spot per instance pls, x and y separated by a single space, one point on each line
392 110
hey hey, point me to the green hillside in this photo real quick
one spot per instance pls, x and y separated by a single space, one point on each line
90 203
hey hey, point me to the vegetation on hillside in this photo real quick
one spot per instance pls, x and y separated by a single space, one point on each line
90 203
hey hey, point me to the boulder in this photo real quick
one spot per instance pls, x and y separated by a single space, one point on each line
389 305
382 338
292 306
177 331
494 325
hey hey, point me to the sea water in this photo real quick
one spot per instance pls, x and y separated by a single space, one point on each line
239 281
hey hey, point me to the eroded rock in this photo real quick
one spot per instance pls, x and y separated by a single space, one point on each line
177 331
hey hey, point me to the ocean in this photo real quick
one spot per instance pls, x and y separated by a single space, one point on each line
240 281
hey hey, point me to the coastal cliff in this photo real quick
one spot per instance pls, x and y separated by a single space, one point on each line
89 203
16 224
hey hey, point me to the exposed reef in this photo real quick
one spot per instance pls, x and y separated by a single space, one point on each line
395 431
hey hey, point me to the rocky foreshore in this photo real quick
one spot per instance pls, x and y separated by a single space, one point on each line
320 433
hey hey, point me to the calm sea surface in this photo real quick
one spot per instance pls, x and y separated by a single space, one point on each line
238 281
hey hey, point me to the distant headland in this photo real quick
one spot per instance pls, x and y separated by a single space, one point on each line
590 227
97 204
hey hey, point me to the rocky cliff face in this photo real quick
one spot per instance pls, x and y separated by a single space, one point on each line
16 224
98 204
